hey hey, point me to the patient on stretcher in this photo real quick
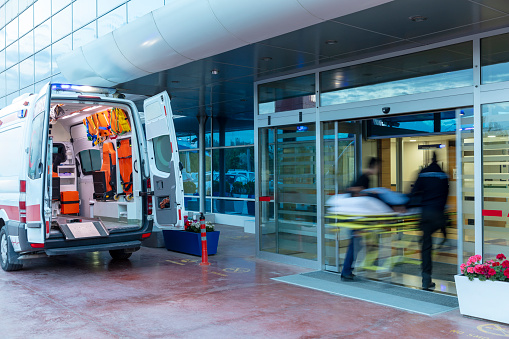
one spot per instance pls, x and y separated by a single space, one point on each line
372 201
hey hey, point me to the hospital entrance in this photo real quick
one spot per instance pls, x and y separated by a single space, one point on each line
290 209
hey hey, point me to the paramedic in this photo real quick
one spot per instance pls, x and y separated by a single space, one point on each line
433 187
360 184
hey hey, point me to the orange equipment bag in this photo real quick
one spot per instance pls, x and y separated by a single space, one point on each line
103 125
119 121
70 202
125 165
108 166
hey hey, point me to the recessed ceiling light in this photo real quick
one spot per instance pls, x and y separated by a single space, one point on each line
418 18
331 42
215 71
266 58
412 140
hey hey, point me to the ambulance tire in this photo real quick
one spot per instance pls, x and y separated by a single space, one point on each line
120 254
7 254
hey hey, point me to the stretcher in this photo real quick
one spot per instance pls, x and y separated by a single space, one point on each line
385 237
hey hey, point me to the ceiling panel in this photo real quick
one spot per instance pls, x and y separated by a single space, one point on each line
393 18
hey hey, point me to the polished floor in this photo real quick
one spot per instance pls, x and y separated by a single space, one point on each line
161 294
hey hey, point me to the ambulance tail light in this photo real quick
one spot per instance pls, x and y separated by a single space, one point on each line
22 201
149 197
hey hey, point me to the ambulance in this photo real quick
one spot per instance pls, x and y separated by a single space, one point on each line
79 172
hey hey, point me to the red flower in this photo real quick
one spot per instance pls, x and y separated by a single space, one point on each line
506 273
492 272
495 264
501 256
505 264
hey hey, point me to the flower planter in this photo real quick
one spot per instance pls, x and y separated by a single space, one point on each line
190 242
483 299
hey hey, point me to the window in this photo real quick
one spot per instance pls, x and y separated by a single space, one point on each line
287 95
495 59
162 153
90 160
84 11
35 153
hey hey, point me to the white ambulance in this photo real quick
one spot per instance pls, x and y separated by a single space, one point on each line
79 173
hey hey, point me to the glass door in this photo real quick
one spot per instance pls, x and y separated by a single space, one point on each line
340 148
288 204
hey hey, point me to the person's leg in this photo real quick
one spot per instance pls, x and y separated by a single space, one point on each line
426 246
350 256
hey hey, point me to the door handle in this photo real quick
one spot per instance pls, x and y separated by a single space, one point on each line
134 165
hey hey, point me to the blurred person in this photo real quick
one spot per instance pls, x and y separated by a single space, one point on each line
432 185
358 185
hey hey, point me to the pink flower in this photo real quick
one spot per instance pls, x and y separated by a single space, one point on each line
491 272
463 266
505 264
495 264
471 270
501 256
479 269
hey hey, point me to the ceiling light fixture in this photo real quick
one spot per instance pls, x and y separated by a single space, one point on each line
412 140
215 71
331 42
418 18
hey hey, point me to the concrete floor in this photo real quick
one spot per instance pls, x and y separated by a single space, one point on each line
161 294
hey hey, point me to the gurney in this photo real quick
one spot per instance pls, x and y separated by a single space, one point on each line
387 234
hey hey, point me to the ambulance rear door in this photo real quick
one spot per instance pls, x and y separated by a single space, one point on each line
165 175
36 189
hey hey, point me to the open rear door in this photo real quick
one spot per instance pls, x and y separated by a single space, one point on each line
164 161
37 194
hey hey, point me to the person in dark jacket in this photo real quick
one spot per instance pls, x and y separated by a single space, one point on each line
358 185
432 185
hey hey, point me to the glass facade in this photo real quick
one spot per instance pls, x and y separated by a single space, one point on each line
33 34
229 162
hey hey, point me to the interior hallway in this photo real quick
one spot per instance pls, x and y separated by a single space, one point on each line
161 294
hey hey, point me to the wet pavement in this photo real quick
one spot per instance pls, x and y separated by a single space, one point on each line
162 294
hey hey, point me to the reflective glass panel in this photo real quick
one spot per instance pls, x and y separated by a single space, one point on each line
11 55
84 35
11 9
2 60
61 24
138 8
234 207
2 38
26 72
495 174
111 21
434 70
2 17
162 153
57 5
231 132
42 35
43 64
26 45
190 161
287 94
12 80
26 21
59 48
104 6
42 11
11 32
84 11
233 172
2 85
495 59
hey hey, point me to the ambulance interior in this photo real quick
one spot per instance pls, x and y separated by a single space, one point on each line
94 167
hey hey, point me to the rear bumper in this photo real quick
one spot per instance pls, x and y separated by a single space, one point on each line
93 248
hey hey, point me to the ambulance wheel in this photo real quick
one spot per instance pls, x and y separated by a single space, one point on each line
120 254
129 197
7 254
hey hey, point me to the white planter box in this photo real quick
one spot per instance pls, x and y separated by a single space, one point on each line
483 299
